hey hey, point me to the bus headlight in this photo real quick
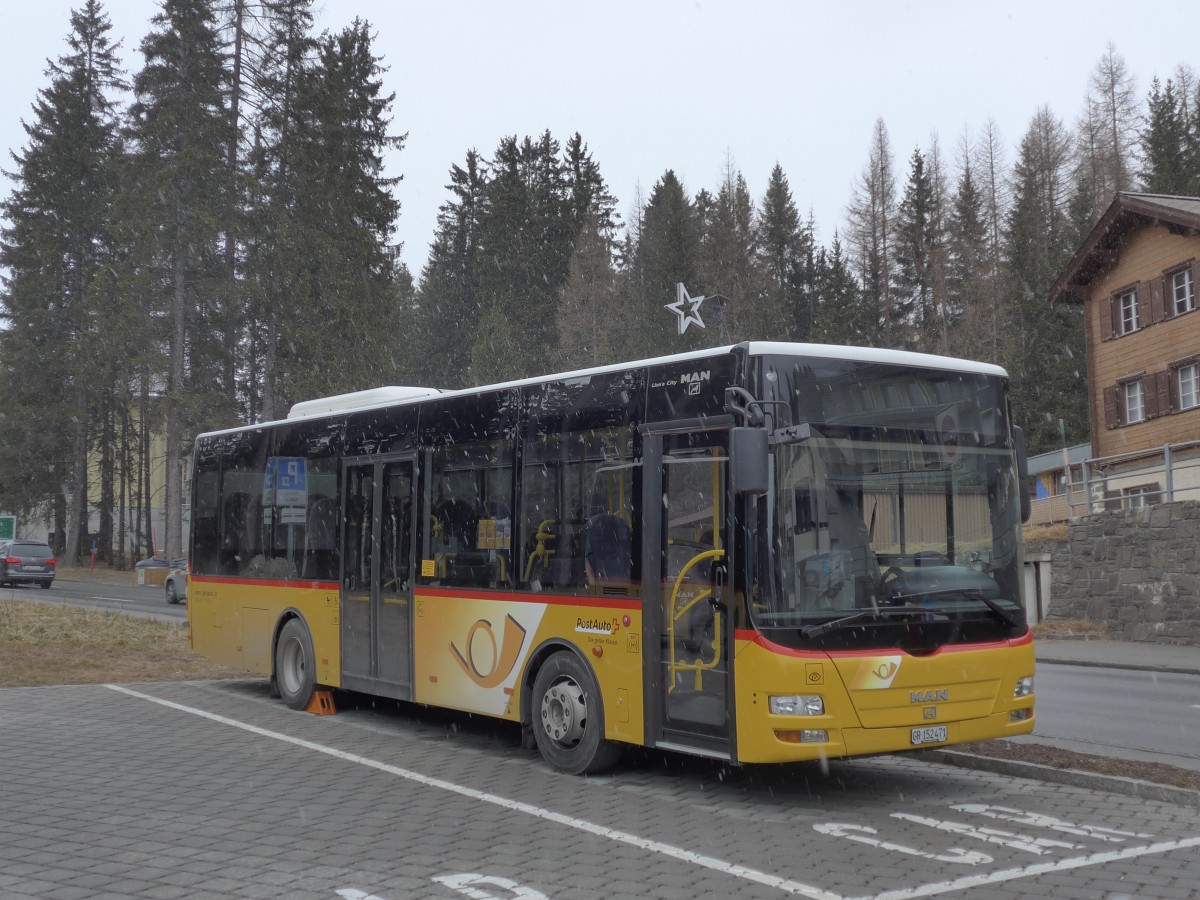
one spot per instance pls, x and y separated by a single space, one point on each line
797 705
1024 687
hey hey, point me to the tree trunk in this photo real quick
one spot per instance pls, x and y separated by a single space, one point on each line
77 512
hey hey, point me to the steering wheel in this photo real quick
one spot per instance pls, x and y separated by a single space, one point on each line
890 576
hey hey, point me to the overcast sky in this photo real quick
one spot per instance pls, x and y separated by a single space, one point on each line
686 85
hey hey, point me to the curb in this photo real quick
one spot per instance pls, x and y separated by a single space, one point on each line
1116 784
1105 664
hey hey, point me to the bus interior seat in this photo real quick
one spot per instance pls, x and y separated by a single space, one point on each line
460 522
608 548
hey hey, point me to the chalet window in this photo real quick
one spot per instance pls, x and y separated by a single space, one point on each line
1187 386
1182 288
1147 395
1141 496
1134 396
1127 303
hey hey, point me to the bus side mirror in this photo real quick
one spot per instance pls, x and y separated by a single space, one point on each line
1022 472
748 460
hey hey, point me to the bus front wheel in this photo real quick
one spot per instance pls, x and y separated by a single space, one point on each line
568 717
295 668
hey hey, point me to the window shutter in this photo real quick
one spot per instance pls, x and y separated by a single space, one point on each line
1173 389
1112 409
1143 304
1106 318
1162 388
1195 282
1149 396
1158 310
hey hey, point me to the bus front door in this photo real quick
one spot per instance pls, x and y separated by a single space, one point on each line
376 614
685 558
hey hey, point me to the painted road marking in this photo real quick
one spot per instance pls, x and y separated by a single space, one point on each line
1027 843
853 832
1099 832
469 886
862 834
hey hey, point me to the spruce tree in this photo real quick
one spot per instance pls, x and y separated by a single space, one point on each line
844 312
445 312
275 248
178 134
1166 167
786 255
871 237
727 268
526 240
587 307
977 328
666 254
1044 350
587 304
57 242
916 240
342 314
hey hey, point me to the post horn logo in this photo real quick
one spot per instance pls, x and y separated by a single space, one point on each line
885 670
503 658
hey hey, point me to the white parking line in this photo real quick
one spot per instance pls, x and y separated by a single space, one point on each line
623 837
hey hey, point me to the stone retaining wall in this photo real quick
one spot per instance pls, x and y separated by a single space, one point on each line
1136 571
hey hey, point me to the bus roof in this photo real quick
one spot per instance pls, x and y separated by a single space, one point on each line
390 396
381 396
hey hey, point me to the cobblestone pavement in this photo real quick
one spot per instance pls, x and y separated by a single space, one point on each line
211 789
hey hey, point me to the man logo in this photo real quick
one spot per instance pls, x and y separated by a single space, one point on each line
928 696
929 712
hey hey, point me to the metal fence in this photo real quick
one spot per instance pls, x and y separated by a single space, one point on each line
1125 481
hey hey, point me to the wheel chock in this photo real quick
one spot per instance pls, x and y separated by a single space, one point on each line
321 704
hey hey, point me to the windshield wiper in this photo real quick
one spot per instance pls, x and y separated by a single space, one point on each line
991 604
999 610
812 631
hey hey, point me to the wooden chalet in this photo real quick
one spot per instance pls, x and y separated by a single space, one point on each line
1136 275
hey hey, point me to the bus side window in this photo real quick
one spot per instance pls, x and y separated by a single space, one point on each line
233 536
320 539
470 526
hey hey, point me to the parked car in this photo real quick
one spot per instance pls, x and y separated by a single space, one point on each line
176 583
27 562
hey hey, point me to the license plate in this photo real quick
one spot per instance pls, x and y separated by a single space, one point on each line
934 734
33 568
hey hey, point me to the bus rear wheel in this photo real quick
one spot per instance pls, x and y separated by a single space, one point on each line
568 717
295 669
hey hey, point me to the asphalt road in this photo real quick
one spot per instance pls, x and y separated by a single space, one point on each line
1150 716
138 600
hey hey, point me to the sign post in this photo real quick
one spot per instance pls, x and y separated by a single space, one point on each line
8 528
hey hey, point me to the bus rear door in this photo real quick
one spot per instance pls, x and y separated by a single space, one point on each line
377 582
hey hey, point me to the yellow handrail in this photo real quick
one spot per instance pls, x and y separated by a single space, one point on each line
676 614
541 551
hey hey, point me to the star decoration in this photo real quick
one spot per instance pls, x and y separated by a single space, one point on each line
686 307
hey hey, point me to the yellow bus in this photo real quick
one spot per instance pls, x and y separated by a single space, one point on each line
760 553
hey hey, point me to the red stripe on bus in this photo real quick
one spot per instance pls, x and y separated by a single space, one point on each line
756 637
266 582
633 603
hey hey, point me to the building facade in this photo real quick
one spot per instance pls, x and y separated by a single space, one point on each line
1136 275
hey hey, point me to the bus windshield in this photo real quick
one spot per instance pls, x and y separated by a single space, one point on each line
894 522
